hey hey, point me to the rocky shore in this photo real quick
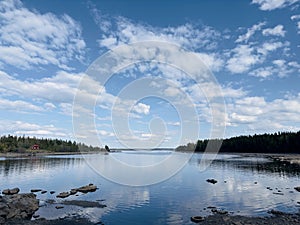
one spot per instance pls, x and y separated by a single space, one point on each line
219 219
18 208
280 219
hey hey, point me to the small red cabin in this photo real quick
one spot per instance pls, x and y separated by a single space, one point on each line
35 147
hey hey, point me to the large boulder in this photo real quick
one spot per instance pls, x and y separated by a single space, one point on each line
18 206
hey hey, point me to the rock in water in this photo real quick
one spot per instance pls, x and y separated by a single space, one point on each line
11 191
63 195
213 181
297 188
6 192
73 191
87 188
35 190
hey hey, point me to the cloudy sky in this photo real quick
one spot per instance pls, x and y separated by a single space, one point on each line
251 50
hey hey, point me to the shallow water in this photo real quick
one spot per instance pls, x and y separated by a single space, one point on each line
241 188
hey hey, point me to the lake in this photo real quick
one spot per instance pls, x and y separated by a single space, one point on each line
246 186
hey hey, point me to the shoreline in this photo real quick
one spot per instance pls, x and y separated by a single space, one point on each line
287 157
37 154
277 219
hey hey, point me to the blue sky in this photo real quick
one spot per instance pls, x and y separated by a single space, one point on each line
251 48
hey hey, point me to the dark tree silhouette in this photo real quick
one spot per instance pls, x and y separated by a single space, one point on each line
280 142
107 148
21 144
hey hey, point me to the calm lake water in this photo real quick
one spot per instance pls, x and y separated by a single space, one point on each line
241 188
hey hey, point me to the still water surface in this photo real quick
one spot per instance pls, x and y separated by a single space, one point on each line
241 188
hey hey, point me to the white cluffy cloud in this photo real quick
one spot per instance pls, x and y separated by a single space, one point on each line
242 60
244 57
273 4
18 105
32 129
276 31
279 67
124 31
141 108
56 92
250 32
260 115
29 38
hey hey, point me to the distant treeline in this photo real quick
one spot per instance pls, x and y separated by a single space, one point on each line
280 142
22 144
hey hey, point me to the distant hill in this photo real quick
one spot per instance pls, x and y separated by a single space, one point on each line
280 142
17 144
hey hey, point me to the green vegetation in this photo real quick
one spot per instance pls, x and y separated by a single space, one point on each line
23 144
281 142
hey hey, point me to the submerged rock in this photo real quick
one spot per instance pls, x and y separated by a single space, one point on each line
84 204
278 193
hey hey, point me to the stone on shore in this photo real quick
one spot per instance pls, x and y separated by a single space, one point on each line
276 212
197 219
18 206
218 211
